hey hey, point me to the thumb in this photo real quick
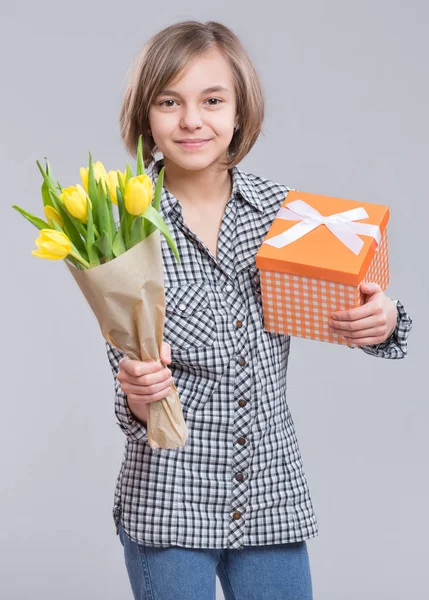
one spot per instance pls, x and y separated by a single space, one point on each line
369 288
165 353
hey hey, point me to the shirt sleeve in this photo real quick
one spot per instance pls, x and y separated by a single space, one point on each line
396 345
133 428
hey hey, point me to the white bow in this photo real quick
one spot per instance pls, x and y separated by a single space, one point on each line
342 225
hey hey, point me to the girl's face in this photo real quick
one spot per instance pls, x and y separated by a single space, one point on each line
192 109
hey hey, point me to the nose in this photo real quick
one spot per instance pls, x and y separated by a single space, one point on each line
191 118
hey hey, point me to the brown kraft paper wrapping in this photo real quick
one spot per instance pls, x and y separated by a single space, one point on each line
127 297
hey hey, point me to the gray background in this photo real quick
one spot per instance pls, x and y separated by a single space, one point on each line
346 86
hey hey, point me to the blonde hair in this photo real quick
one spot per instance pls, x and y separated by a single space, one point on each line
166 55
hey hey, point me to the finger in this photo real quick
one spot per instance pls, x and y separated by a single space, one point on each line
358 312
369 288
165 354
361 324
146 390
138 367
148 379
365 333
138 399
153 378
367 341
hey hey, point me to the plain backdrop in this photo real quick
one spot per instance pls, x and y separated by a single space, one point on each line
347 96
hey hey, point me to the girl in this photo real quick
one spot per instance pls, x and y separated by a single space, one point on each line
234 501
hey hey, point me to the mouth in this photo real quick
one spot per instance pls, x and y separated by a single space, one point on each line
193 145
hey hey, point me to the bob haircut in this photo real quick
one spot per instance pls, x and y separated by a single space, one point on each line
165 56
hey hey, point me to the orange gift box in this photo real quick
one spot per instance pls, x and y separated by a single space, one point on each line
315 255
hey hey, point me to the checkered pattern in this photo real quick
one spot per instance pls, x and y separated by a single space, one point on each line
378 270
239 479
301 306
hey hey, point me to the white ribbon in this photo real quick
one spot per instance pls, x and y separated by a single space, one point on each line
342 225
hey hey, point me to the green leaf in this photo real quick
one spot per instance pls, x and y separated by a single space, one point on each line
46 179
105 224
136 231
49 173
158 190
92 253
128 172
128 219
111 215
125 221
104 246
73 228
39 223
120 197
148 227
140 163
155 218
46 195
92 192
118 243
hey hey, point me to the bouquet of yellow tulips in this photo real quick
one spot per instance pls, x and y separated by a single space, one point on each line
81 226
117 264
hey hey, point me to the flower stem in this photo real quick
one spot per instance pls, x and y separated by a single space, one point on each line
80 259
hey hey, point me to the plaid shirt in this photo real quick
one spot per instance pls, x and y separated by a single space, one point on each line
239 479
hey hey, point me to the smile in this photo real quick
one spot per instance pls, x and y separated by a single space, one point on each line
193 145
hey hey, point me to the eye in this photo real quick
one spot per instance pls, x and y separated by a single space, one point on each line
161 103
217 100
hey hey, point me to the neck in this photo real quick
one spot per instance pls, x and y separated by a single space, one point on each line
198 189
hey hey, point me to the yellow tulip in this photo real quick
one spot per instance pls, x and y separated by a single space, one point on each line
52 244
52 214
112 180
74 197
138 194
99 173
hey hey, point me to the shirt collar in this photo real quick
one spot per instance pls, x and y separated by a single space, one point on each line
241 184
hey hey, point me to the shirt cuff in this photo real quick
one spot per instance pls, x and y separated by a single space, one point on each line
134 429
396 345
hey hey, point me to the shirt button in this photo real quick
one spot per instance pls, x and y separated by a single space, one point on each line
236 515
242 361
229 288
239 477
238 324
241 441
182 306
242 402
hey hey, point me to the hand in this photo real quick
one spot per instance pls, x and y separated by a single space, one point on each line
145 381
369 324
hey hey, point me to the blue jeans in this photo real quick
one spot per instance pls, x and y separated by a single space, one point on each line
275 572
